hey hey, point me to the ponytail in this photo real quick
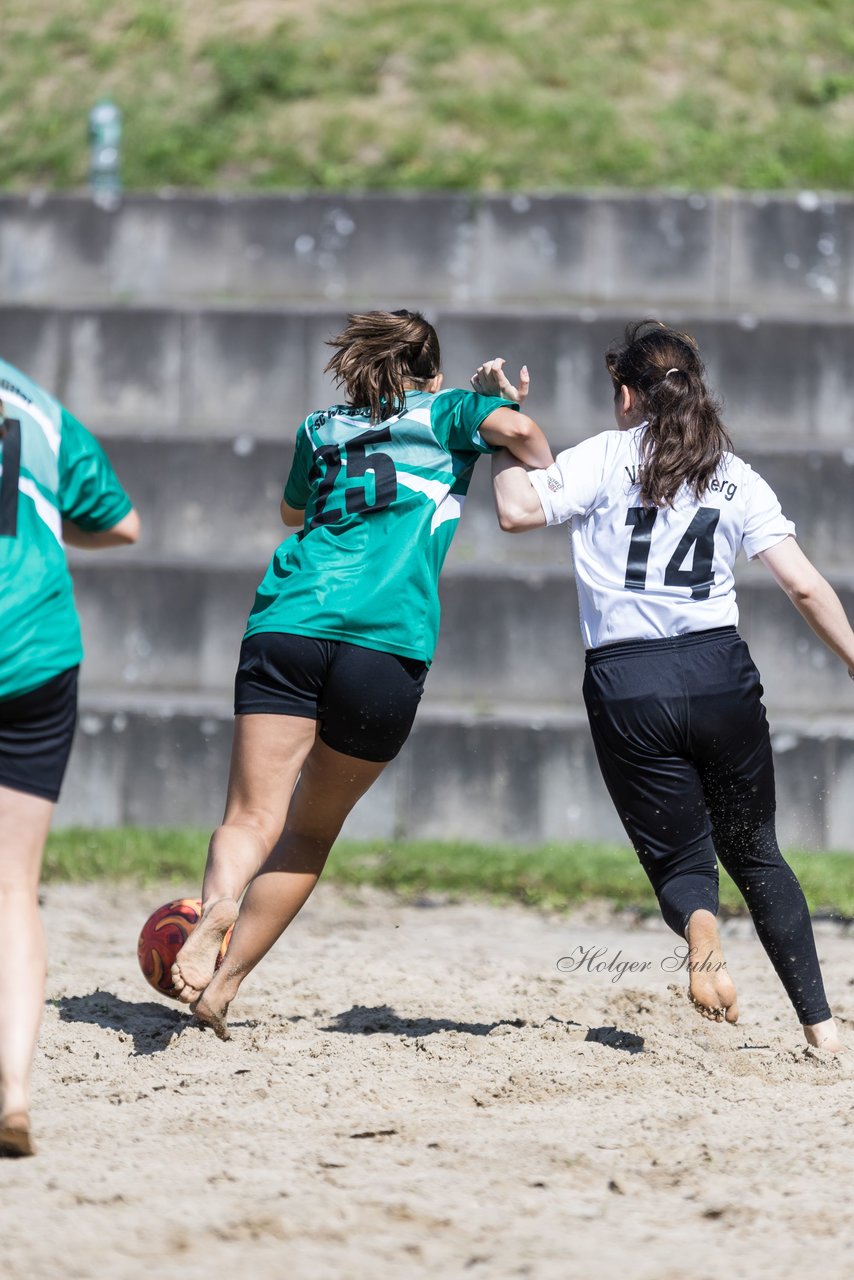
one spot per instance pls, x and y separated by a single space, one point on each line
381 353
685 438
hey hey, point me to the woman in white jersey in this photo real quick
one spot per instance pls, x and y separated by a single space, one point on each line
659 510
342 631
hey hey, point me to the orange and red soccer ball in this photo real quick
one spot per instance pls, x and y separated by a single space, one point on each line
163 935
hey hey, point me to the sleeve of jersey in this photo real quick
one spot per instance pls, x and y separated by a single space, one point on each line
89 491
764 522
570 486
298 489
465 412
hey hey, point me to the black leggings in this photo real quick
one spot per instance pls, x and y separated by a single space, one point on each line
683 745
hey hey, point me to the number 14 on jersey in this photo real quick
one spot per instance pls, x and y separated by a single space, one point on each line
700 535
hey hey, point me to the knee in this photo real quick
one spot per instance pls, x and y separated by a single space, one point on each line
745 843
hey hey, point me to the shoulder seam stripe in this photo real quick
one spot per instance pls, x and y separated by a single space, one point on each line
48 514
50 431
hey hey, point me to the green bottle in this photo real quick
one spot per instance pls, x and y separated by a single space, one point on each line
105 136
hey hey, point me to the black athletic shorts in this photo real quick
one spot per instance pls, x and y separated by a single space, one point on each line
36 731
365 700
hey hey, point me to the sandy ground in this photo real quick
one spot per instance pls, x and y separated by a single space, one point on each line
420 1090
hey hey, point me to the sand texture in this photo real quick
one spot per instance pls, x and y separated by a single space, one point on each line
418 1090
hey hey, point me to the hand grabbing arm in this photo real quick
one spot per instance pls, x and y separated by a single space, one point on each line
506 427
491 380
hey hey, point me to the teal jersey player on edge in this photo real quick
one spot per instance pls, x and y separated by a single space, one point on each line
56 486
51 470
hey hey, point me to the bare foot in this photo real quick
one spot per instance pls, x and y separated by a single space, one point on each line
823 1035
15 1136
711 990
196 961
212 1015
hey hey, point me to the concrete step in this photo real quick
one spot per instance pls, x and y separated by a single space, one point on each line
227 373
652 249
462 775
507 636
204 499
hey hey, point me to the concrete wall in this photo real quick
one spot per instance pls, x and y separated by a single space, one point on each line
740 252
521 779
510 637
218 500
190 332
226 373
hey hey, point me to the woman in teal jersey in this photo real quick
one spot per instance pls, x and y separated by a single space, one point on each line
56 487
342 631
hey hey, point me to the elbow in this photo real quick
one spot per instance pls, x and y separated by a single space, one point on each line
127 531
523 427
511 519
511 430
801 595
804 590
291 518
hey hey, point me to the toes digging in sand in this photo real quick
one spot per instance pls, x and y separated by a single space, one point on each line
711 990
209 1014
196 961
15 1137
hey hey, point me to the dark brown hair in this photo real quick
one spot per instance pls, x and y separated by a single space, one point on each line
380 354
685 439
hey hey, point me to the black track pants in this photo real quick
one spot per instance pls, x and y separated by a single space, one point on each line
682 741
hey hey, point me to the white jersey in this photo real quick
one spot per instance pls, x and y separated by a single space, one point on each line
646 572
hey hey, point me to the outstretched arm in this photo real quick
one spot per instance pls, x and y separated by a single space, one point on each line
813 597
520 435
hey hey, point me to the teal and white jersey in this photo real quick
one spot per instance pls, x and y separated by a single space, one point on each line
382 503
51 469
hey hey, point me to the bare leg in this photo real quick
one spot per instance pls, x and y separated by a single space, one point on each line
24 824
329 786
711 990
266 757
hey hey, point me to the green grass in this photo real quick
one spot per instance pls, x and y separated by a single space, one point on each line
553 876
485 95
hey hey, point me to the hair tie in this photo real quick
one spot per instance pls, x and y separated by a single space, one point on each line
669 371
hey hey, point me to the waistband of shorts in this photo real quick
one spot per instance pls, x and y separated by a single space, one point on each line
661 644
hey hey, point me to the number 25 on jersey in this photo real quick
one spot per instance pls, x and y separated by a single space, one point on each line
358 465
